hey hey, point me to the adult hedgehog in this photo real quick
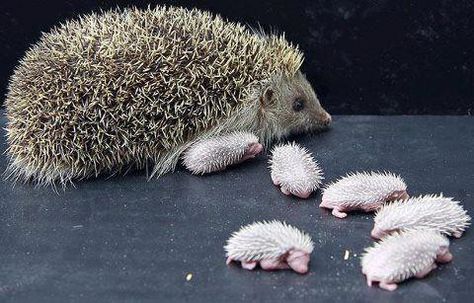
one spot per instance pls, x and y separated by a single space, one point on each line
127 87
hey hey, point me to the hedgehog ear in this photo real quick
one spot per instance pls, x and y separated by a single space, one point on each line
267 98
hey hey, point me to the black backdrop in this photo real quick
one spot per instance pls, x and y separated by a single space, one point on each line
363 57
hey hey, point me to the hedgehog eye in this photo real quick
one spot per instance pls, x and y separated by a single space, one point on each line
298 105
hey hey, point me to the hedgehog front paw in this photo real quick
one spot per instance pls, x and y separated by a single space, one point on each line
285 191
338 214
388 286
249 265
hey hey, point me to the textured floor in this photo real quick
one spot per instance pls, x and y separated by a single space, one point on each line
123 239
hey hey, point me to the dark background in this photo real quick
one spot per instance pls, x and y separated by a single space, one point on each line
363 57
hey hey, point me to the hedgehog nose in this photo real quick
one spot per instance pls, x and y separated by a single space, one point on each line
375 234
326 118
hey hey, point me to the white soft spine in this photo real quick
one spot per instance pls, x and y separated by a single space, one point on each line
266 240
216 153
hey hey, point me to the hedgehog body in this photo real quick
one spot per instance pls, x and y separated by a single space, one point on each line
433 212
125 88
294 169
216 153
404 255
273 245
365 191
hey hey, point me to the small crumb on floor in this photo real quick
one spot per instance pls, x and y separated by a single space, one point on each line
189 276
346 255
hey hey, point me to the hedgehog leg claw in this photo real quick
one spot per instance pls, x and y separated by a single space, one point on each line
338 214
425 271
388 286
249 265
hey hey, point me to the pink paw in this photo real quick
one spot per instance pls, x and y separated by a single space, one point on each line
250 265
338 214
388 286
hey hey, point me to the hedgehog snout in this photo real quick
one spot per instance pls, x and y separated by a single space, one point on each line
377 233
254 149
444 255
398 195
404 195
326 118
298 261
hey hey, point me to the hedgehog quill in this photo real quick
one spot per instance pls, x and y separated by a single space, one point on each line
404 255
366 191
294 169
274 245
215 154
130 87
433 212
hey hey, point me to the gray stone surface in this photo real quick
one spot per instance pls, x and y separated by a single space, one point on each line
123 239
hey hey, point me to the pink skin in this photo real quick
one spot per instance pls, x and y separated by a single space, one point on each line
398 195
253 149
443 256
378 233
297 260
341 212
287 192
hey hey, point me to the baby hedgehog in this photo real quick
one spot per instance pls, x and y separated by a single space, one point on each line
125 88
294 170
438 213
273 245
362 191
404 255
216 153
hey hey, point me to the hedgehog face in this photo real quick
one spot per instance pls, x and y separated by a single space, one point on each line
292 106
298 261
443 255
398 195
379 231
